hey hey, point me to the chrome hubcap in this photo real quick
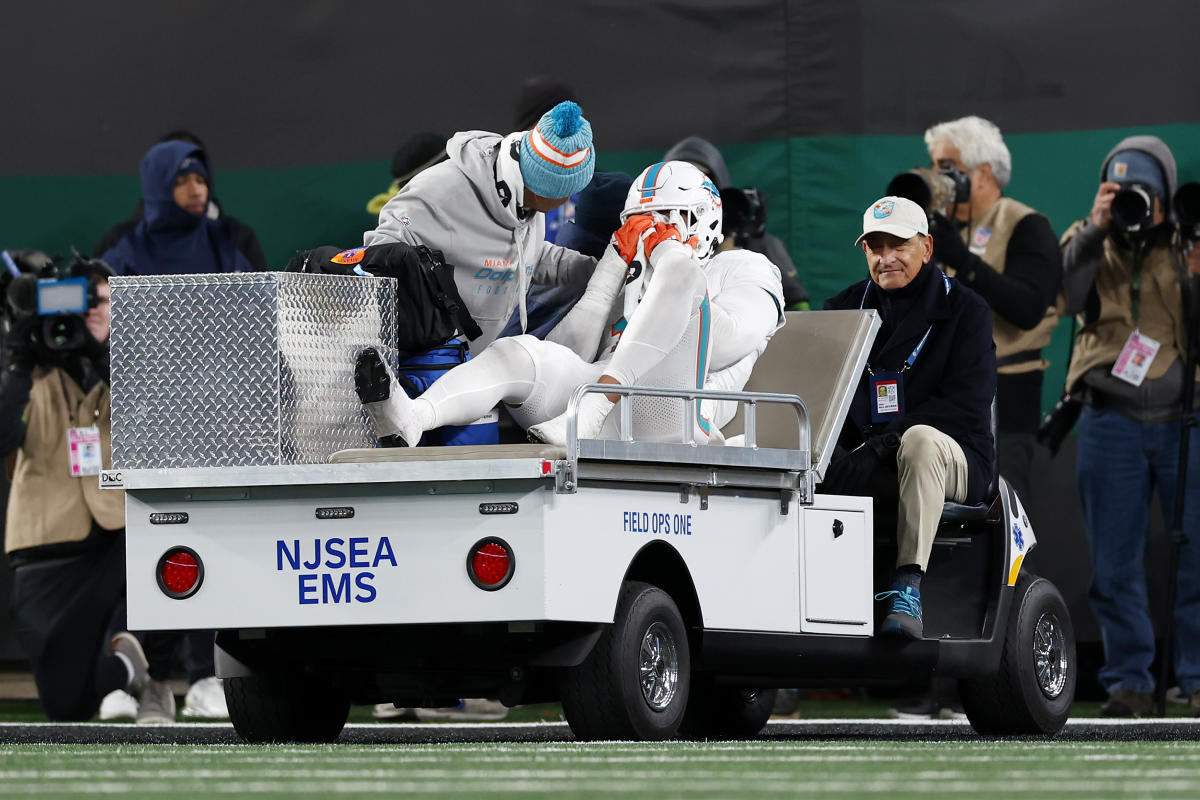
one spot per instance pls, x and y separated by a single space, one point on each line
659 666
1050 655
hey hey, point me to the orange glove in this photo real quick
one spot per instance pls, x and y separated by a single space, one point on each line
628 235
662 232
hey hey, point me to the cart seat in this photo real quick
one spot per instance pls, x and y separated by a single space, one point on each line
489 451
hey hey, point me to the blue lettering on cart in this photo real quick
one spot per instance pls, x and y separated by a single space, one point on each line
335 553
331 591
656 524
307 587
363 581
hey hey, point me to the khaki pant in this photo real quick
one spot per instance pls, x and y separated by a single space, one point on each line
933 469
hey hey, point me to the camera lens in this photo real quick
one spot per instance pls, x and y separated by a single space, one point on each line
63 332
911 186
1131 207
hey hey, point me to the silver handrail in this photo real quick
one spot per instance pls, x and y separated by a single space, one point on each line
749 401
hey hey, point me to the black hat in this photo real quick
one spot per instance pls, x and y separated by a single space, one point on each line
419 151
537 96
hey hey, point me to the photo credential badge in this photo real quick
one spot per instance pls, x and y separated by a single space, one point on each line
887 396
83 451
1136 357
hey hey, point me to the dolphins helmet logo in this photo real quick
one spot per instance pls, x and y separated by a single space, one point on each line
884 208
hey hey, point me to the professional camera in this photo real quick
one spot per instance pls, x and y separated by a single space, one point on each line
1133 209
48 301
743 214
1187 211
932 190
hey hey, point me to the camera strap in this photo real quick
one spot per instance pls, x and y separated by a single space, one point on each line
1135 282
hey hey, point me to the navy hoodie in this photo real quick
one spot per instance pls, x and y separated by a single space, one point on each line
169 240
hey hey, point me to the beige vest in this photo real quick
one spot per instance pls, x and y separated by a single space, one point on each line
47 505
1160 314
995 228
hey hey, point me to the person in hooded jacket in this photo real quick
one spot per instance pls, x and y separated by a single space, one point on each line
247 239
1129 370
484 208
709 160
176 236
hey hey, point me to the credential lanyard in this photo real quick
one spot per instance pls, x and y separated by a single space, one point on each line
912 357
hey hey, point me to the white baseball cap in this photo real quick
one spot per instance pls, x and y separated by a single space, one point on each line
898 216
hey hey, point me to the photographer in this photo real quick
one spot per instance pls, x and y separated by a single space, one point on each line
1008 253
64 537
1124 279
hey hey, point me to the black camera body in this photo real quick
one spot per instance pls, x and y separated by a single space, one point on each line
49 304
743 214
1186 204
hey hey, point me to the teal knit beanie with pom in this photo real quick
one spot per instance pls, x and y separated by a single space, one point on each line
557 157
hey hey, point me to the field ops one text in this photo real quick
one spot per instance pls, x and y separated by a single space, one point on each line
660 524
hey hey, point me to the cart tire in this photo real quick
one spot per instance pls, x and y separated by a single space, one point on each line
1032 692
605 697
267 709
725 712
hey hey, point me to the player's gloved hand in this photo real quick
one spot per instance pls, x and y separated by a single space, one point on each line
662 232
627 237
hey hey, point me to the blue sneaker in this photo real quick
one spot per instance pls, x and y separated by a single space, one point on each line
904 617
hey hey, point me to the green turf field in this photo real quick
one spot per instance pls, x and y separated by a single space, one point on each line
685 770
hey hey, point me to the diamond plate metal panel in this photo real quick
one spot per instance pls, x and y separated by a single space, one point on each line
242 369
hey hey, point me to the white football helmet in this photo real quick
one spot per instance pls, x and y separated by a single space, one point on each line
683 196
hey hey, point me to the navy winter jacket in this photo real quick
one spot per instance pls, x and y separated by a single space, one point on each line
950 386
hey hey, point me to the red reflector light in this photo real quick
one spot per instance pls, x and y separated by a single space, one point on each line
490 564
180 572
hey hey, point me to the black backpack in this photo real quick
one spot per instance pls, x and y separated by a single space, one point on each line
429 309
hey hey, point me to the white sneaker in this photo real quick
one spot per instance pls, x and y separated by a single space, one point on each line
387 404
472 709
118 704
593 410
206 700
156 705
392 711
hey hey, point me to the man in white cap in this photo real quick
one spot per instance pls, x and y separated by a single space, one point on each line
919 427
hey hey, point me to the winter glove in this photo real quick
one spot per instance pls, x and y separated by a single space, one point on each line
662 232
627 237
19 345
948 247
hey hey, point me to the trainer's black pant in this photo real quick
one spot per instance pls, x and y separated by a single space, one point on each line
65 611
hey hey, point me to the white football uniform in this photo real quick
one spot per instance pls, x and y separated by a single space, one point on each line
690 334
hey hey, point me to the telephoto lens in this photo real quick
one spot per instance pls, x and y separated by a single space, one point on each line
1132 208
931 190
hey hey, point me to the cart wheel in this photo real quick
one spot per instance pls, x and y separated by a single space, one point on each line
272 708
1035 685
634 683
725 712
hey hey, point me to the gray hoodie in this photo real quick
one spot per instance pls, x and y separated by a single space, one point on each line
455 207
1156 399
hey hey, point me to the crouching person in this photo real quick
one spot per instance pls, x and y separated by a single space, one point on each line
64 537
919 428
